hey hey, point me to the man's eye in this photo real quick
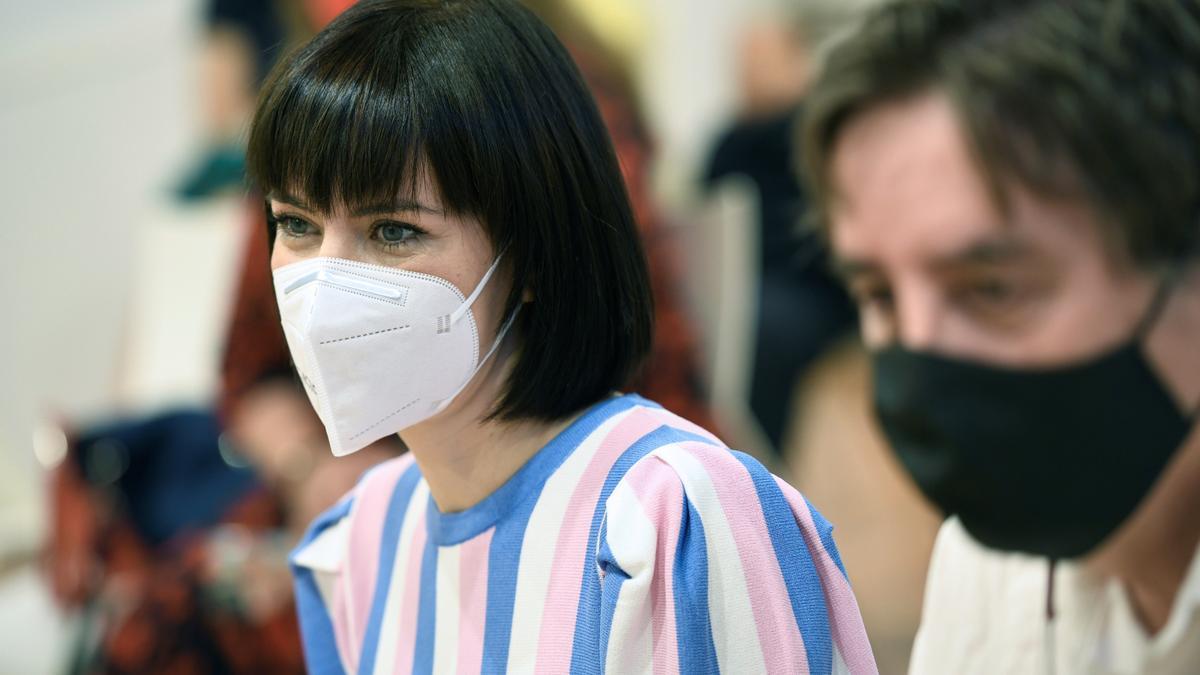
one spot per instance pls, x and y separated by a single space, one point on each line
991 292
877 297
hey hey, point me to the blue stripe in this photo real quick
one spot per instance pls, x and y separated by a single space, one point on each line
316 627
693 628
505 554
320 648
614 579
585 655
390 538
825 529
427 611
796 563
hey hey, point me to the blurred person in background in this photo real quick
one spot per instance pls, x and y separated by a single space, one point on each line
802 309
241 42
1012 192
152 542
456 261
172 543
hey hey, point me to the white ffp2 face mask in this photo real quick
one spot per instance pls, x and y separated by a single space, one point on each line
378 349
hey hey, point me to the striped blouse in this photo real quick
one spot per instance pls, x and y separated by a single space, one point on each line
633 542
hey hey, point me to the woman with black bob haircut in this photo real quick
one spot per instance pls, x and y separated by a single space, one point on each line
455 261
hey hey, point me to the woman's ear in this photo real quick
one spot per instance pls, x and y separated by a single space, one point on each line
527 295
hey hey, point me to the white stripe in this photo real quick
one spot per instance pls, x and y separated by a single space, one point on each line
538 547
414 517
327 551
633 545
445 640
323 557
839 663
735 634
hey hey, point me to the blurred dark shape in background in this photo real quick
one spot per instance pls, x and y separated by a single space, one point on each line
802 310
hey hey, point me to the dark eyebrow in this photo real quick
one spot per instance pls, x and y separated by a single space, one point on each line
373 210
397 206
989 252
848 268
997 251
288 199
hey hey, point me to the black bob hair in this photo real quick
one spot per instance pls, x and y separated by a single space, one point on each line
480 94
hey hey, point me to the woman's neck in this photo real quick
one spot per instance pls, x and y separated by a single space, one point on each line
464 458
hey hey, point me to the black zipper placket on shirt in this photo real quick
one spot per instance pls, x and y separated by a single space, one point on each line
1048 641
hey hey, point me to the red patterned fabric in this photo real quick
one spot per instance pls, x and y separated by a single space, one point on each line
152 608
256 347
321 12
671 375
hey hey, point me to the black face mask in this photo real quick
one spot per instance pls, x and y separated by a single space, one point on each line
1043 461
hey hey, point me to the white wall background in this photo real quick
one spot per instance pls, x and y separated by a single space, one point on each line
95 100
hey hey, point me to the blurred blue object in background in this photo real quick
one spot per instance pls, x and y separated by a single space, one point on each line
167 472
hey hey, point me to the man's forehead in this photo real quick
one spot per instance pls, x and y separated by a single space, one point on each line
909 190
983 249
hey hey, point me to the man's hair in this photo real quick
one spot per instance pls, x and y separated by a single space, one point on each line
1091 99
481 97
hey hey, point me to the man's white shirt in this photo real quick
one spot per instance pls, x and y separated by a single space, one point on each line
986 612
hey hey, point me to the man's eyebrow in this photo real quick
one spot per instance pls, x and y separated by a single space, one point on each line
850 268
996 251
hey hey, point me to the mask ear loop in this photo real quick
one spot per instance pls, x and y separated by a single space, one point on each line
1154 312
495 345
465 307
459 313
1159 302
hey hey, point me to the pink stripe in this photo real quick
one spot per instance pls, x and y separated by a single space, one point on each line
846 624
570 557
473 574
778 635
410 601
370 509
661 494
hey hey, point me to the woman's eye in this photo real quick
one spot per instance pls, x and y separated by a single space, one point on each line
394 234
293 227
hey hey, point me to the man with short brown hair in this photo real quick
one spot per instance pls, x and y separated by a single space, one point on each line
1012 193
